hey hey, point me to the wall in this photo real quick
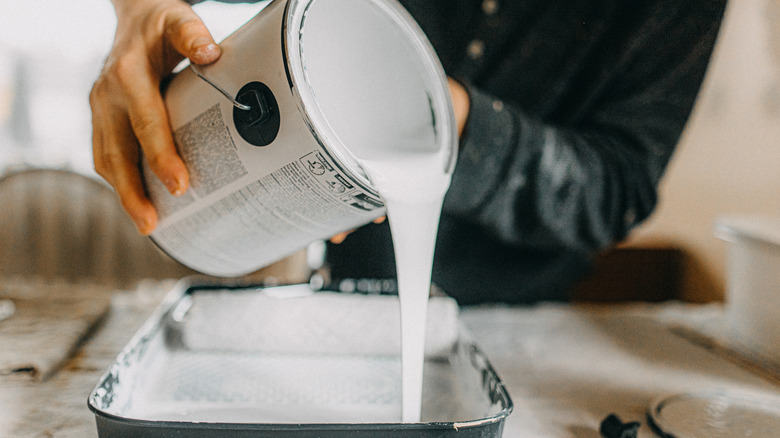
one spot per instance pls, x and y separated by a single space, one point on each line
728 161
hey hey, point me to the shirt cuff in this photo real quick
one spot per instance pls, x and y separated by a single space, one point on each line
485 148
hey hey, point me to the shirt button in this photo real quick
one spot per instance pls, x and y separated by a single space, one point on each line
476 49
490 7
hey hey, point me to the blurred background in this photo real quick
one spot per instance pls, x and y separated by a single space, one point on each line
727 162
50 54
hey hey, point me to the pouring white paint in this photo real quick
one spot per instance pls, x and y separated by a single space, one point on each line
413 185
377 91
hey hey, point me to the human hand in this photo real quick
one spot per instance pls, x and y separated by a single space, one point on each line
460 103
338 238
128 112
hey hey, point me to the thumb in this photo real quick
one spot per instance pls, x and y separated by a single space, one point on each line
190 37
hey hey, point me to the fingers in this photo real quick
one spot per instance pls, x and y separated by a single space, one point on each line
190 37
116 160
149 120
129 114
128 111
460 103
186 34
338 238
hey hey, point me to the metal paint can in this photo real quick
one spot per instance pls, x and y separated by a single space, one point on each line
272 133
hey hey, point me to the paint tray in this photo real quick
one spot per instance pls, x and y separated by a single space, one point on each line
220 359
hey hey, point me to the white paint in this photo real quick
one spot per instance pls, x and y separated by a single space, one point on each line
374 89
413 187
371 87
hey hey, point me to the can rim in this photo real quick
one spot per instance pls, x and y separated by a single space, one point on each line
435 77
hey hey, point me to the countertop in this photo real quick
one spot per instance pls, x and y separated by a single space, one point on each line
566 367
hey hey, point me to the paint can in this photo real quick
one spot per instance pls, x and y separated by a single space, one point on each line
273 132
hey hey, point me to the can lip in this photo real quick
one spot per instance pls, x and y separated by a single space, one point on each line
303 95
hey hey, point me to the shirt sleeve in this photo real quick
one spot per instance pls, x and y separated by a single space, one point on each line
587 183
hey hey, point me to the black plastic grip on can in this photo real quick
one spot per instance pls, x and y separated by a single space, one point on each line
259 124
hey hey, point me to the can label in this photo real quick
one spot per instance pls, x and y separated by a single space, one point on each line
235 218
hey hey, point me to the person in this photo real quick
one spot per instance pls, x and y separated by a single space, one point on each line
568 110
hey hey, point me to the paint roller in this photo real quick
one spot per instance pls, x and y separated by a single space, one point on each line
295 320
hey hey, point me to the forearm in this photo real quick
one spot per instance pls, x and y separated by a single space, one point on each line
533 183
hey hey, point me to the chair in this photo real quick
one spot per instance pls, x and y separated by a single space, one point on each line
60 224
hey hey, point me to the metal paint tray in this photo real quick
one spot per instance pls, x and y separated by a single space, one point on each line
221 359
